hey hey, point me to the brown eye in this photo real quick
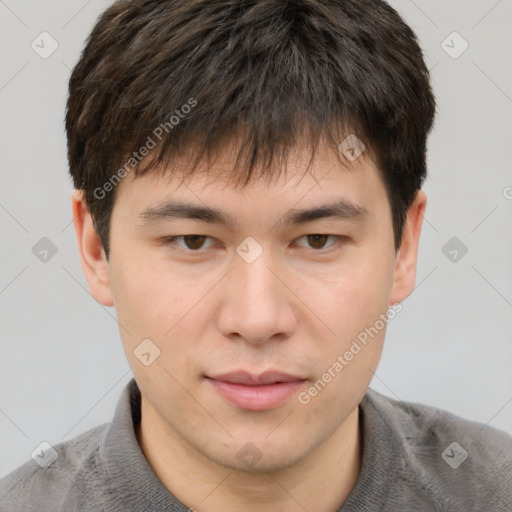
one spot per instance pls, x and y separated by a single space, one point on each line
194 242
191 243
319 241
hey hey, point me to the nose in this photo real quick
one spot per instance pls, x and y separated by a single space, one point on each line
258 304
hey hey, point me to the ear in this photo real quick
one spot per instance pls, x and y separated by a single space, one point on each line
92 256
406 258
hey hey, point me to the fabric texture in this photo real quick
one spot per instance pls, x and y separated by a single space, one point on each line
410 463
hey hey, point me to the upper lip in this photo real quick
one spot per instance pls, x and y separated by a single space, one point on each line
251 379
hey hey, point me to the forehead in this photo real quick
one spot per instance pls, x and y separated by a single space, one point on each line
326 177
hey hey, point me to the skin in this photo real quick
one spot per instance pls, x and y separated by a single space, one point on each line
296 308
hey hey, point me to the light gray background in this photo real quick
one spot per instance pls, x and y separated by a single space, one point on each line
62 367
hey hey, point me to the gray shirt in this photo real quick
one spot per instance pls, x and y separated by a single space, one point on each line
415 458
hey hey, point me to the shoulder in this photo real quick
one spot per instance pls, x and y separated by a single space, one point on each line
455 460
55 476
432 427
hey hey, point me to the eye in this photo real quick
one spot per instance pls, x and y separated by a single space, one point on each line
193 243
318 241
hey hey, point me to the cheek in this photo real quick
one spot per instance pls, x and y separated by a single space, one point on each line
146 295
345 360
139 302
352 307
354 299
155 305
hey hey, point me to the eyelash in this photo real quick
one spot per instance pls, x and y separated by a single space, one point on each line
172 241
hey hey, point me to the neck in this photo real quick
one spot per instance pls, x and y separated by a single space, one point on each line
321 481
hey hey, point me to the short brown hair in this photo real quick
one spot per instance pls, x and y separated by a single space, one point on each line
278 72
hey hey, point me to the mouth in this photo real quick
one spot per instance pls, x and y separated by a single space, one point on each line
255 392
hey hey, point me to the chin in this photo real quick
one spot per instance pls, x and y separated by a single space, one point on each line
257 455
266 462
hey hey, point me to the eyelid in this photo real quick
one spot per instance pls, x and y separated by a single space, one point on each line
171 240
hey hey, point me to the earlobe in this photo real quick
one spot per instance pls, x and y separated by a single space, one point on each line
92 256
406 258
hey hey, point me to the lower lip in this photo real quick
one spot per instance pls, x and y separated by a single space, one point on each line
257 398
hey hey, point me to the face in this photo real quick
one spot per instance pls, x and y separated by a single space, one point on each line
256 312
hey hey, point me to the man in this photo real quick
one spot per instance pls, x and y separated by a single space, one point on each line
248 197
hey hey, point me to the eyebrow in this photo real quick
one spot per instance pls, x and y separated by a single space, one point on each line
341 209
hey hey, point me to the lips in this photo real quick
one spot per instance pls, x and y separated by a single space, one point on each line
268 377
256 392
